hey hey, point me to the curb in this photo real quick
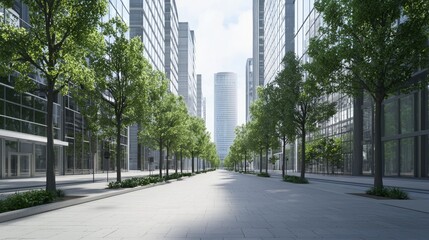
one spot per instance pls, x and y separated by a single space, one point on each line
25 212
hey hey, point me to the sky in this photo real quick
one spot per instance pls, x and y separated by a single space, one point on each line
223 34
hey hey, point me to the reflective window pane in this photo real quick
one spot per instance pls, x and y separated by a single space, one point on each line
390 158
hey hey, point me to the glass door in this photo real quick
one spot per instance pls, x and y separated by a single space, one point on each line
18 165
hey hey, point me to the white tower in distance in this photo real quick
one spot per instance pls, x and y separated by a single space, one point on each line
225 111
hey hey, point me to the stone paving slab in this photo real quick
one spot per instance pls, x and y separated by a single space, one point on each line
224 205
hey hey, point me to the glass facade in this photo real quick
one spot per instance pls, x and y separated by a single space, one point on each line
23 121
225 111
278 35
249 87
187 74
172 45
405 118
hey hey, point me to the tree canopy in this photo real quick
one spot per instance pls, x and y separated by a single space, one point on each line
53 48
372 46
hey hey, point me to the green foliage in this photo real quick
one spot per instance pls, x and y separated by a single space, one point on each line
62 35
302 105
263 174
389 192
295 179
371 46
135 182
29 199
125 84
323 149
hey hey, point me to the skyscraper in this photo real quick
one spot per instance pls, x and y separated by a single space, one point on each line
249 87
258 45
278 35
199 96
146 22
172 45
187 77
225 111
23 119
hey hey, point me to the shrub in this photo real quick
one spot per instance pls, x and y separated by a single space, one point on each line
174 176
389 192
187 174
295 179
29 199
263 174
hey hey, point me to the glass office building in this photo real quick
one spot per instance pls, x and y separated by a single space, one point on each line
172 45
225 111
278 36
23 121
187 72
405 125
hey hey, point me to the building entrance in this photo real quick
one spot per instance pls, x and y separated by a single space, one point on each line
19 165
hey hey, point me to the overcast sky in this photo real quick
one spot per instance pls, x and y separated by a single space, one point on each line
223 33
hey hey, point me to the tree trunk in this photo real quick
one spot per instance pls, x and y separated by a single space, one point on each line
198 163
167 165
118 148
192 163
284 157
378 173
181 161
177 160
303 152
260 161
266 160
50 163
160 159
245 162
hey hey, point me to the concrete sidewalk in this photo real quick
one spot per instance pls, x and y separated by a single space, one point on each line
407 184
226 205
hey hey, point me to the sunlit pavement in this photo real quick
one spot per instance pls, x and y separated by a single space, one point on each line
224 205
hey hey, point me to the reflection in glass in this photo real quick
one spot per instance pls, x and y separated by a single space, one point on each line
390 118
40 158
390 158
407 114
407 157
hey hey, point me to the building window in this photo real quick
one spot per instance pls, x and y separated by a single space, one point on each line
407 114
390 118
407 157
390 158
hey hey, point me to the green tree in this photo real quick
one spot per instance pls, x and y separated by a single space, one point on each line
279 99
197 134
124 83
263 129
376 46
242 141
305 108
55 46
328 149
165 126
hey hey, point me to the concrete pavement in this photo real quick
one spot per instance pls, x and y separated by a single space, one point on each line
225 205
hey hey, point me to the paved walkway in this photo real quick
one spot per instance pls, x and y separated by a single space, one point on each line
225 205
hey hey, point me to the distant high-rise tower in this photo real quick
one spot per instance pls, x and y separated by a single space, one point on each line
172 45
199 96
225 111
187 78
205 110
249 87
258 45
146 22
279 19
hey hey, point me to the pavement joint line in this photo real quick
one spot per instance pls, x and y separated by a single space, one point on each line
410 209
25 212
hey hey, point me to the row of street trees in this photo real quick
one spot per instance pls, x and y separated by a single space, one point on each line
105 72
363 46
